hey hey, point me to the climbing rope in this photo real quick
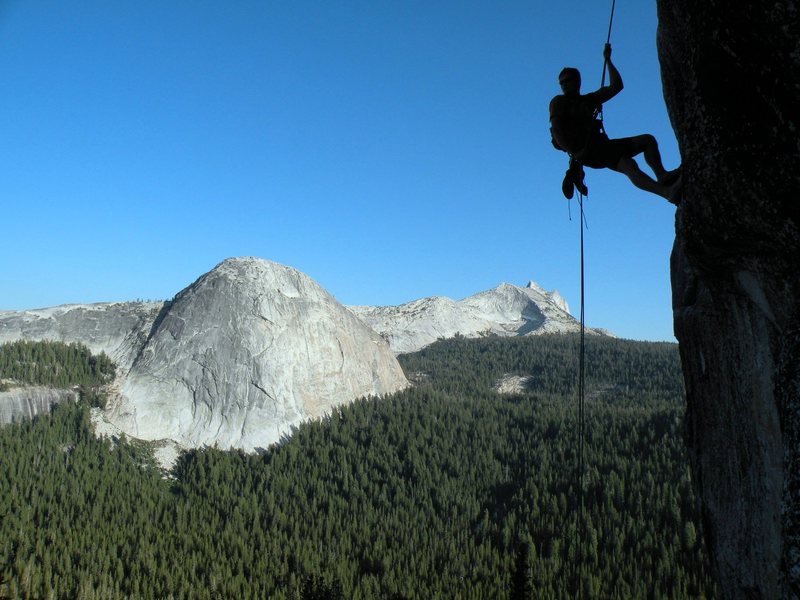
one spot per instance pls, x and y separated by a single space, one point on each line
599 114
608 41
581 528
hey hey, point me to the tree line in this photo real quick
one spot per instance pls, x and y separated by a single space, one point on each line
54 364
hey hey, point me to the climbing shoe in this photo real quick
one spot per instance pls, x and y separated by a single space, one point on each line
676 192
670 177
576 173
581 187
567 186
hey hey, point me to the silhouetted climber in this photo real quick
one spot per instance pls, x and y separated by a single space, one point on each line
577 130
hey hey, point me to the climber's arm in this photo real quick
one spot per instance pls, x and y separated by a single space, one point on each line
615 85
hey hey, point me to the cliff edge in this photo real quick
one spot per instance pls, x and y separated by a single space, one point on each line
731 77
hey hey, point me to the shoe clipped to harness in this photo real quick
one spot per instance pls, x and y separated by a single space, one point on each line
573 180
577 178
567 187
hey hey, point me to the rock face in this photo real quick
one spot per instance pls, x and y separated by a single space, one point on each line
512 384
506 310
117 328
27 402
731 75
238 357
252 348
246 351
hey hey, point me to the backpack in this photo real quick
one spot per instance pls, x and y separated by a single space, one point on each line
589 128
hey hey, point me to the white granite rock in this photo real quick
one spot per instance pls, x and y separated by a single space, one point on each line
248 350
117 328
239 357
253 347
28 402
506 310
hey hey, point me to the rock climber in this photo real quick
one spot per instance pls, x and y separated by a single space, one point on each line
577 130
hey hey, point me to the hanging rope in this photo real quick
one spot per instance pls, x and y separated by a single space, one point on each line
608 40
603 77
581 528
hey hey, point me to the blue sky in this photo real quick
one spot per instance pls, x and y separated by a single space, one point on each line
390 150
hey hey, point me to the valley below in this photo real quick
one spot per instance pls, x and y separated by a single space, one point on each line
445 489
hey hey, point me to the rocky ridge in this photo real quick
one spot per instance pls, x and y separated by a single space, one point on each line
253 347
506 310
236 359
244 353
117 328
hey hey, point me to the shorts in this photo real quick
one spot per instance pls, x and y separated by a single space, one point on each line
604 153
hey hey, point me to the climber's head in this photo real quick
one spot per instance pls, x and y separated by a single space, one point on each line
570 80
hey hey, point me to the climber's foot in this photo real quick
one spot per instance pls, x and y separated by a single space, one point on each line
670 177
675 192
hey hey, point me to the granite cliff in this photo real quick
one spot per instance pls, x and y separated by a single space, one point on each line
731 78
252 348
117 328
246 351
236 359
28 402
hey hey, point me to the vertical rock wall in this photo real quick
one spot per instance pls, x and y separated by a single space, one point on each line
28 402
731 76
246 352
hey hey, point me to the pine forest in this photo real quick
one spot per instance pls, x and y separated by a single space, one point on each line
448 489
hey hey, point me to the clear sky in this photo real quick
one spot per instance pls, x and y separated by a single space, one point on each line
391 150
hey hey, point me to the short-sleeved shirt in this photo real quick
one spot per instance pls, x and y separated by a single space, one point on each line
582 133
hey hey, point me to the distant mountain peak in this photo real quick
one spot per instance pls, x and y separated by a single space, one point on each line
249 349
253 347
506 310
245 352
532 285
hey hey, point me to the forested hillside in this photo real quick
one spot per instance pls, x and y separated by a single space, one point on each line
446 490
53 364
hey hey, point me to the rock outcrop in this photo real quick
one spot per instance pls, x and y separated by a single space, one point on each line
28 402
513 384
117 328
248 350
252 348
731 75
236 359
506 310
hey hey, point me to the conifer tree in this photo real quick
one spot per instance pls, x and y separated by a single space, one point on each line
521 584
